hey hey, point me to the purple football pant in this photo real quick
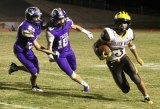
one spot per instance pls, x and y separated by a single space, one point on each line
29 60
67 62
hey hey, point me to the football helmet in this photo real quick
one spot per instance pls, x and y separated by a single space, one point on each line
56 15
31 13
120 18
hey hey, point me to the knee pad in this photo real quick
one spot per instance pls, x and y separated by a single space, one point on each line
125 89
33 71
73 67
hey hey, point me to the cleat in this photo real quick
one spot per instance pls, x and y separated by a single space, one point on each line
36 89
147 100
13 68
86 89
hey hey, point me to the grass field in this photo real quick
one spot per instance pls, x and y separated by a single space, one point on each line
60 92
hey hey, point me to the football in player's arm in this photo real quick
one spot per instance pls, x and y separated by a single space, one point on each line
118 38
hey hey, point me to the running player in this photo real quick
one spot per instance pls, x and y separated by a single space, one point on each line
28 32
117 38
58 40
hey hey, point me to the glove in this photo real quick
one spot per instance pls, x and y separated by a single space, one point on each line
51 59
57 54
103 56
90 35
140 61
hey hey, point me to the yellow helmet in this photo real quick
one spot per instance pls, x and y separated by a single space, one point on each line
120 18
123 16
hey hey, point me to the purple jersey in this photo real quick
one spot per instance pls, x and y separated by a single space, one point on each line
23 42
27 33
61 41
67 60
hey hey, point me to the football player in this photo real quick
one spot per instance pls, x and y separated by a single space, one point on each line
117 38
28 32
57 35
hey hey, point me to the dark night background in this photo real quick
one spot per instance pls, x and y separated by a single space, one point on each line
149 7
89 13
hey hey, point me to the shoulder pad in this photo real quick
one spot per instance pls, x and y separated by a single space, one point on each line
28 31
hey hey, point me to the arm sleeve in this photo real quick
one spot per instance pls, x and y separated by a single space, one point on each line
104 36
50 38
28 31
133 36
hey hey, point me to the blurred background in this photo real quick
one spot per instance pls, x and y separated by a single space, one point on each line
93 14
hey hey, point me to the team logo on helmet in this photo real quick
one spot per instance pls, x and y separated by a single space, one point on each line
58 13
122 15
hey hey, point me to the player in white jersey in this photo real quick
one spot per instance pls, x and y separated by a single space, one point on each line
117 38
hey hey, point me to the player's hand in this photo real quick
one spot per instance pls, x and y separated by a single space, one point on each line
51 59
90 35
57 54
140 61
103 56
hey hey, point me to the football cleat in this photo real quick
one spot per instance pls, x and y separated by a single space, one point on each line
147 100
36 89
86 89
13 68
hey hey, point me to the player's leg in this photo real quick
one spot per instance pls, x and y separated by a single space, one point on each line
116 69
65 66
33 77
72 62
71 58
27 63
130 69
30 62
13 67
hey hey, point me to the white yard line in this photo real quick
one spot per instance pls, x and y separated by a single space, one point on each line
64 75
103 65
17 106
155 66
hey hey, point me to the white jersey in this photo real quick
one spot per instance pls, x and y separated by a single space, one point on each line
117 43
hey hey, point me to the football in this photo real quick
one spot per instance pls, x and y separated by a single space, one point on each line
104 51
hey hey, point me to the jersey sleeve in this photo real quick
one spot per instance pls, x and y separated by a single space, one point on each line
69 22
133 36
28 31
105 36
131 33
50 38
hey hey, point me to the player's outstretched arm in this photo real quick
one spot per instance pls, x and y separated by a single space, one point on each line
81 29
41 48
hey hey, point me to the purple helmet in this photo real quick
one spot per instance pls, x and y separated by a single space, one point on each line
31 13
56 15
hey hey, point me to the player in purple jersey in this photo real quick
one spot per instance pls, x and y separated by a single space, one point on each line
28 32
57 35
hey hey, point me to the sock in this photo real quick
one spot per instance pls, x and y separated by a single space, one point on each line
147 96
84 83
